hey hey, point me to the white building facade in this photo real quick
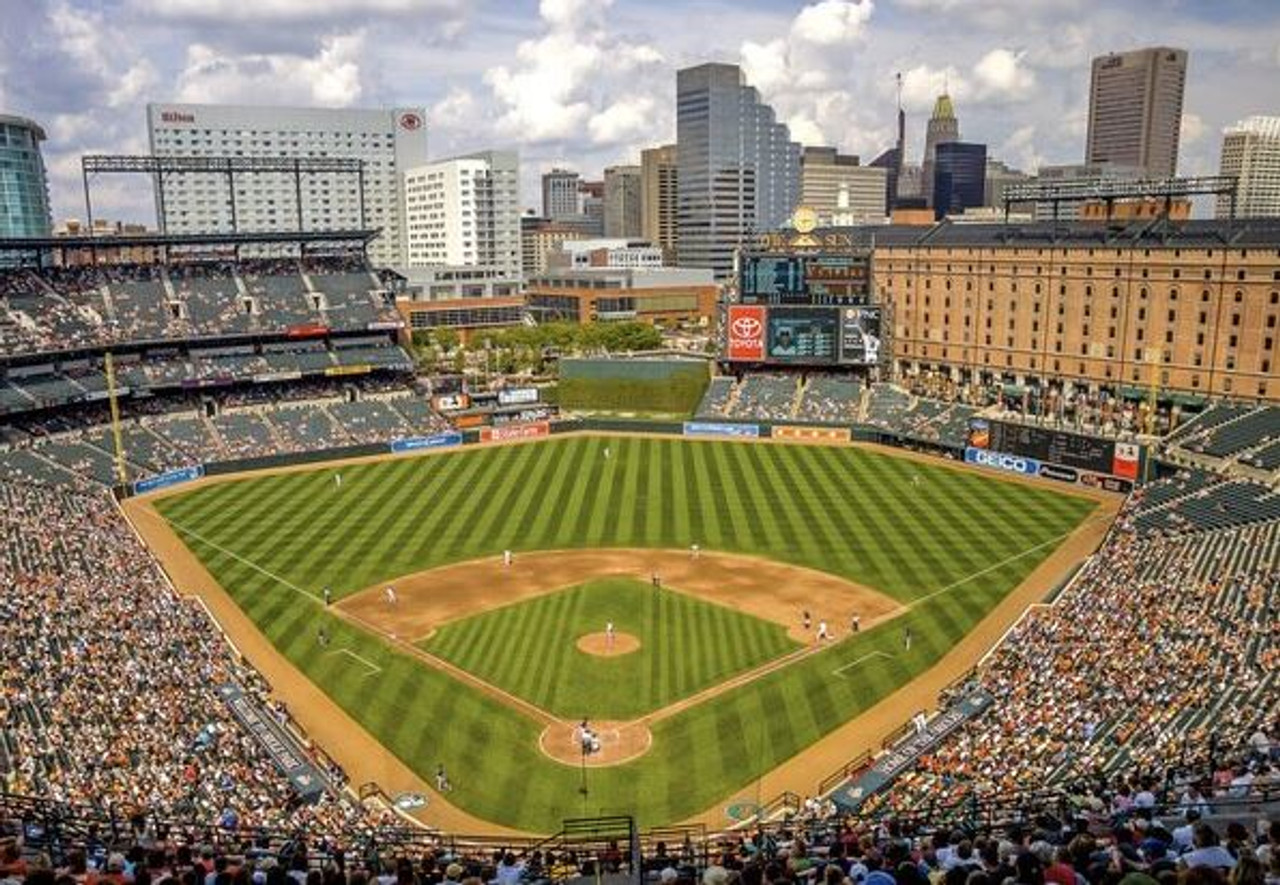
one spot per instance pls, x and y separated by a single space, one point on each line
464 212
1251 152
388 140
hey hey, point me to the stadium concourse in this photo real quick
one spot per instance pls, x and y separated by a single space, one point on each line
1129 716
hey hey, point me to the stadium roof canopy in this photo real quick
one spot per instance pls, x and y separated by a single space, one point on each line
164 241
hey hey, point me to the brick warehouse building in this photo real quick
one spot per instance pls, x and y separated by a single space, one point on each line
1089 304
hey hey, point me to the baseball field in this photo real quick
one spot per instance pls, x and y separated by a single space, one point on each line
657 587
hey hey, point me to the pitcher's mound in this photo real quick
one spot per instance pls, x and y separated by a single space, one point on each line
600 644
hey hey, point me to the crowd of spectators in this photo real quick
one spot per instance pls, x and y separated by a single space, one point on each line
108 684
86 306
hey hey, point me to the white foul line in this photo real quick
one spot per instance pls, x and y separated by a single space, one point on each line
991 568
373 668
203 540
838 670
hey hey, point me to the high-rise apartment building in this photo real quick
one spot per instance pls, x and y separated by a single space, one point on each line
388 140
738 171
539 238
943 127
1251 152
959 177
658 199
591 199
464 212
622 202
840 190
560 195
24 186
1135 109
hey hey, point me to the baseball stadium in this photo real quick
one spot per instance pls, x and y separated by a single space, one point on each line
292 585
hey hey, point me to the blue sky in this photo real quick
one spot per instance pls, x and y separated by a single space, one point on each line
587 83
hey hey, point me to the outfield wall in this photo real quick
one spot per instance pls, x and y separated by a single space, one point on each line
798 431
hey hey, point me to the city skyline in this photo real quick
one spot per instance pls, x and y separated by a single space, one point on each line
587 83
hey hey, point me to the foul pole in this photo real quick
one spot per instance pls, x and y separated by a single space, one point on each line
121 473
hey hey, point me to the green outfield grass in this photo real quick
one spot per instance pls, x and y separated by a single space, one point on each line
950 546
686 645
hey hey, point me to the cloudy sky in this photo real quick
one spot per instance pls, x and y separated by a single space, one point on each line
587 83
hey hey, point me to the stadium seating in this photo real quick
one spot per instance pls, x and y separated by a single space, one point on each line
303 427
831 399
886 406
766 398
715 402
369 421
244 435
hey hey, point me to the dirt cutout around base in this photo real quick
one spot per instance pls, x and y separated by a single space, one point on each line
618 742
605 646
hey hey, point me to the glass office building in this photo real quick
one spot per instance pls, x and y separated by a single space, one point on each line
737 169
959 177
24 187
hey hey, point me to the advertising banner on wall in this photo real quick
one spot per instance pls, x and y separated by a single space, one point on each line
860 335
711 428
746 332
164 480
415 443
517 396
1001 461
280 745
510 432
823 434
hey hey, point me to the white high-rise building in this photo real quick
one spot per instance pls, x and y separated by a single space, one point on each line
464 212
388 140
1251 152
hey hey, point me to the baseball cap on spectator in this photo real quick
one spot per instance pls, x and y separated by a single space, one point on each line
115 862
715 875
668 874
453 872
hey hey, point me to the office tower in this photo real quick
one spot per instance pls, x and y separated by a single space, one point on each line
1251 152
1135 109
465 212
942 128
622 204
388 140
738 171
24 186
959 176
838 189
999 177
658 199
560 195
591 199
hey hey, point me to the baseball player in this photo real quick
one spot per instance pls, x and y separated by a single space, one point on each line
823 633
608 635
391 595
855 624
806 620
506 558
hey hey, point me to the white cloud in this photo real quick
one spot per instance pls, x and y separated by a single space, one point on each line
95 48
233 11
330 78
832 22
576 80
1192 129
922 84
1001 75
625 120
1019 149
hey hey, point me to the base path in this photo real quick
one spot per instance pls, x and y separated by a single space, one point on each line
770 590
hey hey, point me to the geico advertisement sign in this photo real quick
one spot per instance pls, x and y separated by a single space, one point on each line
1001 461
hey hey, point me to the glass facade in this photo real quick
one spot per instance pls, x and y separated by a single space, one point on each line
24 188
738 171
959 177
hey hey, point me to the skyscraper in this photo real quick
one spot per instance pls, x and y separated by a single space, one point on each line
24 186
465 212
560 195
658 199
1251 152
959 177
622 202
895 157
388 140
943 127
1135 109
738 171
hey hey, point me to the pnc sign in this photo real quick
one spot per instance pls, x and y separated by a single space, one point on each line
746 332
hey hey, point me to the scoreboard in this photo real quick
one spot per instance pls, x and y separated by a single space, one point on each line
1058 447
816 280
804 335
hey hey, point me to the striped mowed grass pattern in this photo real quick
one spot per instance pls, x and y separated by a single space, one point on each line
950 546
686 644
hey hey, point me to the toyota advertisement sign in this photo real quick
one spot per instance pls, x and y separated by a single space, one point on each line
745 332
